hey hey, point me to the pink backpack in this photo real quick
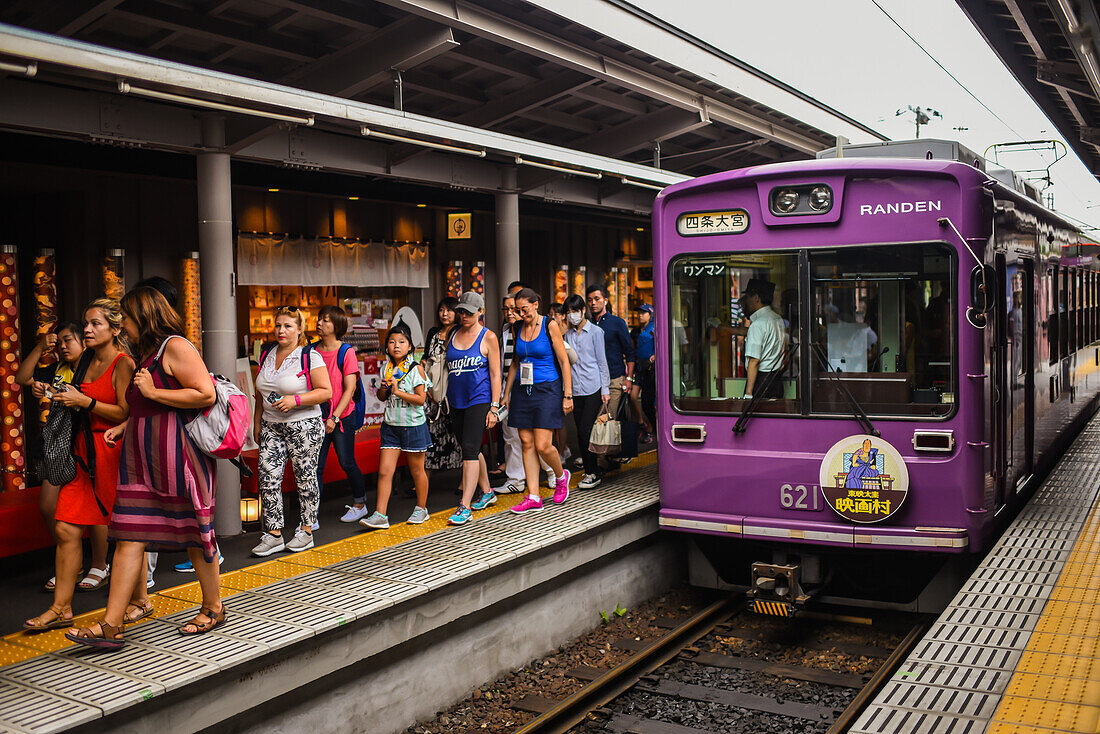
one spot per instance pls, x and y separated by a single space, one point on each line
222 429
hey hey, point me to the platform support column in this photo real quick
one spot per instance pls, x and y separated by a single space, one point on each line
507 216
217 276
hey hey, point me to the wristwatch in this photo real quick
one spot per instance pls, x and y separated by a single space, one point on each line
567 397
495 406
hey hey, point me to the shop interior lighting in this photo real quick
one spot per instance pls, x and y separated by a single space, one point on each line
421 206
125 88
560 169
25 69
632 182
367 132
274 191
353 198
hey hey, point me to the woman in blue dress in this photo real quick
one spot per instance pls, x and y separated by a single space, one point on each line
863 466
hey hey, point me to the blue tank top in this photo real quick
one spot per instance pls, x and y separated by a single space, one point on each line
467 374
539 352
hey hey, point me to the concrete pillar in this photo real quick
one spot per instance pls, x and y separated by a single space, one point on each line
507 214
219 296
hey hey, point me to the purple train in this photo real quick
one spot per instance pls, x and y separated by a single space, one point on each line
921 345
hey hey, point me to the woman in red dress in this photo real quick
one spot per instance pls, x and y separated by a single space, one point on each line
87 500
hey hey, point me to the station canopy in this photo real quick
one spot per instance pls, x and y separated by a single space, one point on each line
1053 50
594 103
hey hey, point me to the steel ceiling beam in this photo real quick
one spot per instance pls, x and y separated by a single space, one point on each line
524 99
641 131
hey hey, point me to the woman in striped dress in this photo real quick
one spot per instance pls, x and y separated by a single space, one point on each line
166 486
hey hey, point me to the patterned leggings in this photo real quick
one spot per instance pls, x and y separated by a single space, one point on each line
301 440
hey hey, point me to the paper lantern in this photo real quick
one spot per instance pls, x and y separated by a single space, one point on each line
12 455
561 284
250 509
477 278
192 308
45 311
114 274
454 278
622 292
579 276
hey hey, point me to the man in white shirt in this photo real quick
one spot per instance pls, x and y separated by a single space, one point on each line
765 339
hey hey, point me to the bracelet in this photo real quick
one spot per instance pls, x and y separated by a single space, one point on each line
298 400
91 405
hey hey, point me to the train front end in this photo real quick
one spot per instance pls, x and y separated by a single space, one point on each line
860 469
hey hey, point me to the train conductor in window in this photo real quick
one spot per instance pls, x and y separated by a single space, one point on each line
765 339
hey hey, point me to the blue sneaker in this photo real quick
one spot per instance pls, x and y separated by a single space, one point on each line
489 498
461 517
186 566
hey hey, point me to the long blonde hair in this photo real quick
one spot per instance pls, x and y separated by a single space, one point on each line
112 312
299 318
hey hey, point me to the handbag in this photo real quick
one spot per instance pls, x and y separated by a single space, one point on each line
606 435
628 428
59 435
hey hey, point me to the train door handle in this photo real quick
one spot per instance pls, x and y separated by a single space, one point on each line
978 444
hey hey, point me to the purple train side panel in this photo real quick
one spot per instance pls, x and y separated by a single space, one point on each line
868 438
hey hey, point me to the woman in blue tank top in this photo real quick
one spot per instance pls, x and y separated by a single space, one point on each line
539 393
473 392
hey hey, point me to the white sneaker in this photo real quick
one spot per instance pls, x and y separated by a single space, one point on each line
551 479
355 514
301 541
512 486
268 544
589 481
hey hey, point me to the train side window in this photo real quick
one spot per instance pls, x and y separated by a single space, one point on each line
1053 315
1042 315
1063 313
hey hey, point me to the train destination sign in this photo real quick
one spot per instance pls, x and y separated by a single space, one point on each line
727 221
864 479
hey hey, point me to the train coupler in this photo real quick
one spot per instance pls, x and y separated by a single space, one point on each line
777 589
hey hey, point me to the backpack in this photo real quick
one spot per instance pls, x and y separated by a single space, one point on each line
358 398
59 436
221 430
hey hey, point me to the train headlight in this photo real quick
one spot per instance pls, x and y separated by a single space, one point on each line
786 201
821 198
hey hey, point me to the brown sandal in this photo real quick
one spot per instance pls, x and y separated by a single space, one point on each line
201 628
137 612
109 637
42 624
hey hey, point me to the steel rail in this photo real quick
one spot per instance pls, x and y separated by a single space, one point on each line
878 680
573 710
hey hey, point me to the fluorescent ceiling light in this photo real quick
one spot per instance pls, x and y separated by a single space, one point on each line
561 169
366 131
125 88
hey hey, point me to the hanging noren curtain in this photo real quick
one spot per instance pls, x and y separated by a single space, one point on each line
264 259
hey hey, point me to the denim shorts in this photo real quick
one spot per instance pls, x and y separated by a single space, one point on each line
413 439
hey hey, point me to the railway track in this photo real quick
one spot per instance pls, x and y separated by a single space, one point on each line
687 682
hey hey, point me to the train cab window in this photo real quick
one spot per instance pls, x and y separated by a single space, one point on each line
1052 287
1063 313
731 321
883 323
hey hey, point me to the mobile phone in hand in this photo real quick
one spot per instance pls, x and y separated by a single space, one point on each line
273 397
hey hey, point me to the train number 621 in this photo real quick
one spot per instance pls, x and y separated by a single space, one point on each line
799 497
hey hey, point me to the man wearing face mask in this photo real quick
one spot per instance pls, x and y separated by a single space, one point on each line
591 381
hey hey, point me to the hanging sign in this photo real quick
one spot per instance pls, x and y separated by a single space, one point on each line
458 226
864 479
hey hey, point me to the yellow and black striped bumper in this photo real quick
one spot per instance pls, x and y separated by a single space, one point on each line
773 608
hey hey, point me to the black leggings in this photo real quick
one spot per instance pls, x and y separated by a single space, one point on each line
585 410
468 425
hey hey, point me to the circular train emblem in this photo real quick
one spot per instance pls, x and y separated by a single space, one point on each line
864 479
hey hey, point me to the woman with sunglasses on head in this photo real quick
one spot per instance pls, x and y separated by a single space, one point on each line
290 387
445 452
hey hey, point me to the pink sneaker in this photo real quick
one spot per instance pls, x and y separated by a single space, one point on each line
561 490
529 504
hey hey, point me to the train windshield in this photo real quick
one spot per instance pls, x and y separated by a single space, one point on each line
879 318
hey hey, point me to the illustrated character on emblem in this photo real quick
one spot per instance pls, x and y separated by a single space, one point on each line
863 466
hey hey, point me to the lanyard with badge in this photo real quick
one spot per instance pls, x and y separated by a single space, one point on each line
526 366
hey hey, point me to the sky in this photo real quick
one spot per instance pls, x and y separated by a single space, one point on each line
851 56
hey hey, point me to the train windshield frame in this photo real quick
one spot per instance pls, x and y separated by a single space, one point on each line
876 321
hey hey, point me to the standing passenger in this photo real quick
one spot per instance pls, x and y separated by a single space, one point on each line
539 393
591 383
86 501
404 427
473 392
288 422
332 324
618 344
166 486
644 392
765 339
513 448
444 453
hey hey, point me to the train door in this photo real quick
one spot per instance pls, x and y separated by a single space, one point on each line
1000 395
1020 431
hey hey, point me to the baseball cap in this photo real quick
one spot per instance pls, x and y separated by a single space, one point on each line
646 307
470 302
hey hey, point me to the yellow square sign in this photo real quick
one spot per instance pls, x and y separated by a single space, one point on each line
458 226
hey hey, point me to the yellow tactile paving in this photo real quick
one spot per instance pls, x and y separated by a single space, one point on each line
21 646
1000 727
1056 685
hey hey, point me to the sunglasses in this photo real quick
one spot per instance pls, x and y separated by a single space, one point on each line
286 309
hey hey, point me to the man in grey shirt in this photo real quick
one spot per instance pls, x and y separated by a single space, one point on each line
591 381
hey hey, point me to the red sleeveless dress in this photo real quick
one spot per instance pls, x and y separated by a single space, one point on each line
76 501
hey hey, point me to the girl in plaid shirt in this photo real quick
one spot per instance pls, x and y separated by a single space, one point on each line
404 427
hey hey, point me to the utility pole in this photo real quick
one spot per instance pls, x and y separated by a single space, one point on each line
921 115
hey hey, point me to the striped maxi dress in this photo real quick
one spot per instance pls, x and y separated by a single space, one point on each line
166 486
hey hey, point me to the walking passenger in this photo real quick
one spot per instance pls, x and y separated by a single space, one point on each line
591 383
473 392
86 501
343 374
404 427
68 340
290 387
515 479
166 487
538 394
644 392
444 452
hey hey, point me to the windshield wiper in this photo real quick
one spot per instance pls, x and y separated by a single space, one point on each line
760 391
857 410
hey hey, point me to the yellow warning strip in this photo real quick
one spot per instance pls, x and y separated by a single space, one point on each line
21 646
1056 685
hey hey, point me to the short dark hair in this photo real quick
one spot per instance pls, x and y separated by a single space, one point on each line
529 295
556 308
400 328
593 288
516 284
447 302
162 286
338 318
574 303
72 326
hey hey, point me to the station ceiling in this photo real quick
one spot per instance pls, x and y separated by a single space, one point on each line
499 65
1051 48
